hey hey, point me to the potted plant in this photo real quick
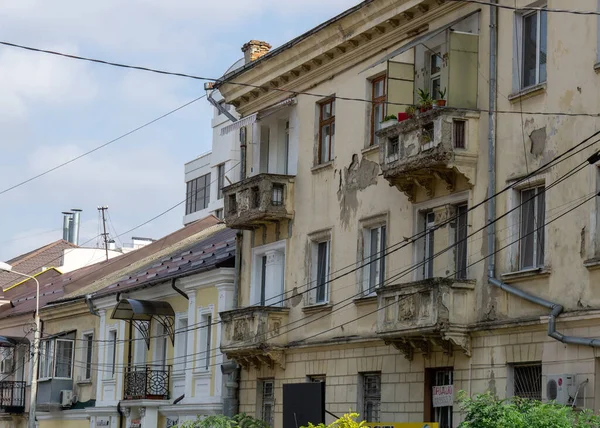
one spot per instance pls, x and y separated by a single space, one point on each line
441 101
389 120
408 113
425 100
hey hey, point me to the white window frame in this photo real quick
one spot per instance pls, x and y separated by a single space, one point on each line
317 238
46 363
206 335
519 48
140 349
87 337
256 286
159 330
435 76
261 400
56 355
110 368
453 199
514 219
364 250
538 190
180 362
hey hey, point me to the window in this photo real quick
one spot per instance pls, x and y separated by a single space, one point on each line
111 352
458 134
371 390
220 180
531 240
268 274
232 204
219 213
461 233
88 347
320 268
394 146
378 99
162 341
435 70
56 358
181 343
527 381
46 358
326 130
374 252
198 194
205 340
277 196
139 346
267 400
443 414
64 359
533 48
429 230
255 197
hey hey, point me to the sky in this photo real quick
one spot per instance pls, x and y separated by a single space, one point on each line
53 109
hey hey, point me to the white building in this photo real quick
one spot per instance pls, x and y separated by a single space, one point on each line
206 175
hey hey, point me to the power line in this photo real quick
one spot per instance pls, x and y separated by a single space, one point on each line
288 91
8 189
531 8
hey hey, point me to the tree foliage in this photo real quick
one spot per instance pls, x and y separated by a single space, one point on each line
487 411
346 421
219 421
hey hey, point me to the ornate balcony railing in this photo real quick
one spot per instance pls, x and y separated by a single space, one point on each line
149 382
12 396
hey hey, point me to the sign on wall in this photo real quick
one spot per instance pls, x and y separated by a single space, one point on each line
402 425
442 396
135 423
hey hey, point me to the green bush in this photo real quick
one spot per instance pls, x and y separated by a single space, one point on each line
219 421
487 411
346 421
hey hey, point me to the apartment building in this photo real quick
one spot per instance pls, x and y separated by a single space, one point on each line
456 303
206 175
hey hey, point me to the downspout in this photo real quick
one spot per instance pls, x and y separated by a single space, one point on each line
178 290
491 229
239 236
220 108
90 305
120 411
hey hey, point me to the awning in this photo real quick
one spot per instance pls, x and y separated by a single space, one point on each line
249 120
421 39
11 341
141 310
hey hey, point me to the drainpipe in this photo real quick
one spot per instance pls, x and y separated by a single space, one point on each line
555 311
491 229
238 268
220 107
178 290
90 305
243 138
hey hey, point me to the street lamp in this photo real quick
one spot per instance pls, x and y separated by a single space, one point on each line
36 343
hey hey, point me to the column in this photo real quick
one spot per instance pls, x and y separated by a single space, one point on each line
189 380
101 338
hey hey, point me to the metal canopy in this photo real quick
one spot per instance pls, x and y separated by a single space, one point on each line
140 313
10 341
421 39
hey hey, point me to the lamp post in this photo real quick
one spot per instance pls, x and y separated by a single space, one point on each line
36 343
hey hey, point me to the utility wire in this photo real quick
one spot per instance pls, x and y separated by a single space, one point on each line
288 91
8 189
530 8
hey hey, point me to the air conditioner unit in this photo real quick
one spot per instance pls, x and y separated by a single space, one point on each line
6 365
66 398
561 388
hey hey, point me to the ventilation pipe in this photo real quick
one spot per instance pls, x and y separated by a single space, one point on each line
74 232
67 225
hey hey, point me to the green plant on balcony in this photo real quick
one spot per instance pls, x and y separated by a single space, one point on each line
425 100
389 120
219 421
441 101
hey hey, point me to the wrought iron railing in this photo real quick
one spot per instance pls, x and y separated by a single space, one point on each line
149 382
12 396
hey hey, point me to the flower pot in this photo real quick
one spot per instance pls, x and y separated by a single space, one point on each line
425 108
441 103
388 123
403 116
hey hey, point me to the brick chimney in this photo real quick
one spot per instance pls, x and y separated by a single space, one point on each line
254 49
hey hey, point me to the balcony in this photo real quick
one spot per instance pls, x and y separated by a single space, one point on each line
253 335
12 396
149 382
425 314
259 200
433 150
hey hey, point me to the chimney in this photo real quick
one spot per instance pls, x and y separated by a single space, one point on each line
74 232
112 245
254 49
67 216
